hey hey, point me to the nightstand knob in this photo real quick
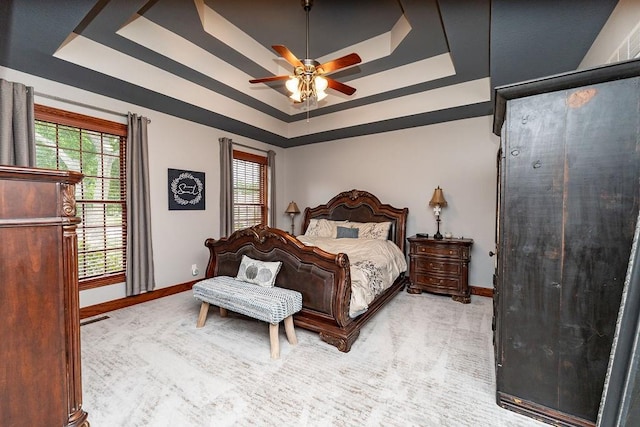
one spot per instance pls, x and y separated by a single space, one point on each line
491 253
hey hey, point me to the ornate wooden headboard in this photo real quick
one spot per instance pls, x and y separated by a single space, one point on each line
361 206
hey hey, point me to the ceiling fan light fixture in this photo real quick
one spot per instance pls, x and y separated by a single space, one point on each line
296 96
292 84
307 83
321 83
320 95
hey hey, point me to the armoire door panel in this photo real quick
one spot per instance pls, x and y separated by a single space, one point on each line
569 198
36 325
532 241
600 168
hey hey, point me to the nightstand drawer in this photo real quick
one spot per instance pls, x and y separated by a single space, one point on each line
437 282
439 250
431 265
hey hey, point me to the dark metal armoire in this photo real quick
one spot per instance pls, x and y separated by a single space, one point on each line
569 174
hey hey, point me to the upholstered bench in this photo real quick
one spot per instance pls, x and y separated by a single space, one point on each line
269 304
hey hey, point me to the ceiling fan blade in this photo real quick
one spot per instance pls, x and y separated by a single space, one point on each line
336 64
269 79
286 54
340 87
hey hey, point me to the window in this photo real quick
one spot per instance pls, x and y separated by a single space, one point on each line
96 148
249 190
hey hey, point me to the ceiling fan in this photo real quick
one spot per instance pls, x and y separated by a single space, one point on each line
308 80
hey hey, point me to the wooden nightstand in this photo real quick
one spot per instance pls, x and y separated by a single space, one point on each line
440 266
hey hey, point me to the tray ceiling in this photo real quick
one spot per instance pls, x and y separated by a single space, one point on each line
424 61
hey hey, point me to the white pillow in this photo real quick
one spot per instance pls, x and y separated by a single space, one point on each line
323 228
258 272
318 228
372 230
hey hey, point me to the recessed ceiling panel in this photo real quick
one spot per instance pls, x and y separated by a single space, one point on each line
424 61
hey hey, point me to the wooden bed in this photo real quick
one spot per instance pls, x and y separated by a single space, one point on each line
322 278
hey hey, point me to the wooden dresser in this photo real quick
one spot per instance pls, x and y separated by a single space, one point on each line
40 383
567 205
440 266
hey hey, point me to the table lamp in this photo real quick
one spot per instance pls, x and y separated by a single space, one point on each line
437 202
292 210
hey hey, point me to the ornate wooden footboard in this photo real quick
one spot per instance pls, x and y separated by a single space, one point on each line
322 278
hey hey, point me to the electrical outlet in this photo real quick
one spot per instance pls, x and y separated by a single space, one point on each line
194 270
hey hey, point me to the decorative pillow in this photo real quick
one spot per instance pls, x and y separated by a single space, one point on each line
258 272
323 228
372 230
346 232
319 228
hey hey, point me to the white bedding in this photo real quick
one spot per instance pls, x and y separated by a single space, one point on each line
375 264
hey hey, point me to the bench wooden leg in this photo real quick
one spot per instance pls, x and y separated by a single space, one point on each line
223 312
291 332
275 342
202 317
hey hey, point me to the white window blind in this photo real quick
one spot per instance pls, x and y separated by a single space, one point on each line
249 190
74 142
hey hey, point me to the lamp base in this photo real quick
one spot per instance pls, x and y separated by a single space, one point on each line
438 236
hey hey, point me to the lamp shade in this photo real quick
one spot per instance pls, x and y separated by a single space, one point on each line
292 208
320 95
321 83
292 84
438 198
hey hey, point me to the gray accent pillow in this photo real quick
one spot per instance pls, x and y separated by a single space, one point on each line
258 272
347 232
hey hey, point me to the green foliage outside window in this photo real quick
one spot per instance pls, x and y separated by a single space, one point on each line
99 196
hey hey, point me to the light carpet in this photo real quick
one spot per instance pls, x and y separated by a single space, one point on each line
424 360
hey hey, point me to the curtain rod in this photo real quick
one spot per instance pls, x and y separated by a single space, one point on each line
248 146
82 104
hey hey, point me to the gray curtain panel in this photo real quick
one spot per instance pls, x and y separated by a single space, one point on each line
17 129
226 186
140 272
271 158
